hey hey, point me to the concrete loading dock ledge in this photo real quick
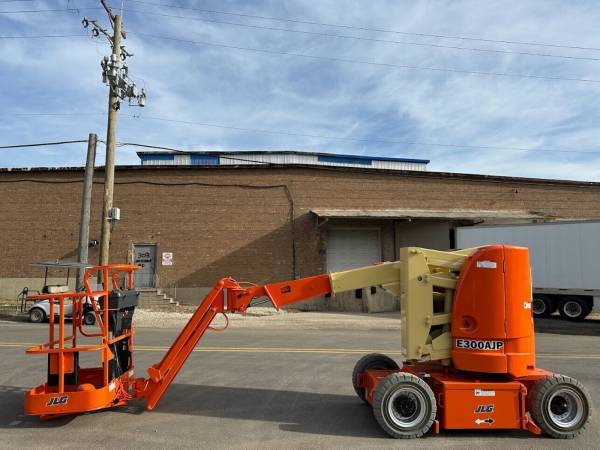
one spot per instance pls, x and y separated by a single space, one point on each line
212 220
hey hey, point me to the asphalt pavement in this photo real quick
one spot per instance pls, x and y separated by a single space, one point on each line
266 388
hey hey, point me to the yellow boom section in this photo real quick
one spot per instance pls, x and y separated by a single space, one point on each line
425 281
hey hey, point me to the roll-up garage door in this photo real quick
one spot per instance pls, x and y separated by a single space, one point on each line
350 248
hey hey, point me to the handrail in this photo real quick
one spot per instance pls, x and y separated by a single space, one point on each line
45 348
56 347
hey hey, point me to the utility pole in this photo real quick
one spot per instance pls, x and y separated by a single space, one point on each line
86 201
115 75
109 166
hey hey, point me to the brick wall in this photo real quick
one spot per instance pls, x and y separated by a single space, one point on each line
243 229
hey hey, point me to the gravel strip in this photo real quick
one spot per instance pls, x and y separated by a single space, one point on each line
270 318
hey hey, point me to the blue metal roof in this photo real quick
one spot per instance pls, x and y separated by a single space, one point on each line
344 159
157 156
357 158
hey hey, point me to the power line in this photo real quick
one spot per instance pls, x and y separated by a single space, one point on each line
329 35
42 144
27 11
44 36
363 28
361 38
51 114
278 132
370 63
340 138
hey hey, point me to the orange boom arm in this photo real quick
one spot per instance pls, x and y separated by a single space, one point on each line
227 295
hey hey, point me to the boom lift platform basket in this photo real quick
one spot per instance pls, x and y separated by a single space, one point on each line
467 342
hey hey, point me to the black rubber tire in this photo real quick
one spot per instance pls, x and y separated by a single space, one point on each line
372 361
37 315
89 318
565 305
542 306
388 392
539 406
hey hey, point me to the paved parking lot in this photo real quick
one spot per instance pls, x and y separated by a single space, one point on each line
266 388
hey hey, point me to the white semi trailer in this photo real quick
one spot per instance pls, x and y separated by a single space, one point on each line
565 262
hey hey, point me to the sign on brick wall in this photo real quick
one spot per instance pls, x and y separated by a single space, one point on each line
167 258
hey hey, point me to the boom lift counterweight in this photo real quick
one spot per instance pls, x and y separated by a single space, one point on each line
467 344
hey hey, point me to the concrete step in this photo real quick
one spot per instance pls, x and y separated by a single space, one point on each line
157 299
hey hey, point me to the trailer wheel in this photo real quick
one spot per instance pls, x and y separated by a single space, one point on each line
404 406
372 361
560 405
542 306
573 308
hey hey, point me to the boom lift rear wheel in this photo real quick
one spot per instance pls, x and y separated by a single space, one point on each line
372 361
560 406
404 406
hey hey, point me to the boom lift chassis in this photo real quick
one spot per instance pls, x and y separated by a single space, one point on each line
467 345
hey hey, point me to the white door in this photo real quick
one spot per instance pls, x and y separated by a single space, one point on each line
145 257
351 248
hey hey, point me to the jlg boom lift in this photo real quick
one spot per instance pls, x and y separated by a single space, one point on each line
467 345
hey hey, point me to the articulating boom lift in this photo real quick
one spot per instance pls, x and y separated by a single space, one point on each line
467 344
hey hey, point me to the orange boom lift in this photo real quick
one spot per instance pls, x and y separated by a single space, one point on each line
467 344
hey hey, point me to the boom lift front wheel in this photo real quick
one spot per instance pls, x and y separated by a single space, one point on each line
372 361
404 406
560 405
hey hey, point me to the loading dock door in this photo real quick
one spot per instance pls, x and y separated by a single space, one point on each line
350 248
426 233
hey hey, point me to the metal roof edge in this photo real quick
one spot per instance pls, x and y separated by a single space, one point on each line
370 170
554 222
407 213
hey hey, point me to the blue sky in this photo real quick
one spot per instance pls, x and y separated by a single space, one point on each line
371 109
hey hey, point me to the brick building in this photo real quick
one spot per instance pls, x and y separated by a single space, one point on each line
263 222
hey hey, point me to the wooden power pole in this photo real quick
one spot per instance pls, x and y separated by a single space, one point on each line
86 203
109 166
115 75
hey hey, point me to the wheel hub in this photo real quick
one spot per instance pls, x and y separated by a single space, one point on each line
572 309
559 406
539 307
565 408
406 407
